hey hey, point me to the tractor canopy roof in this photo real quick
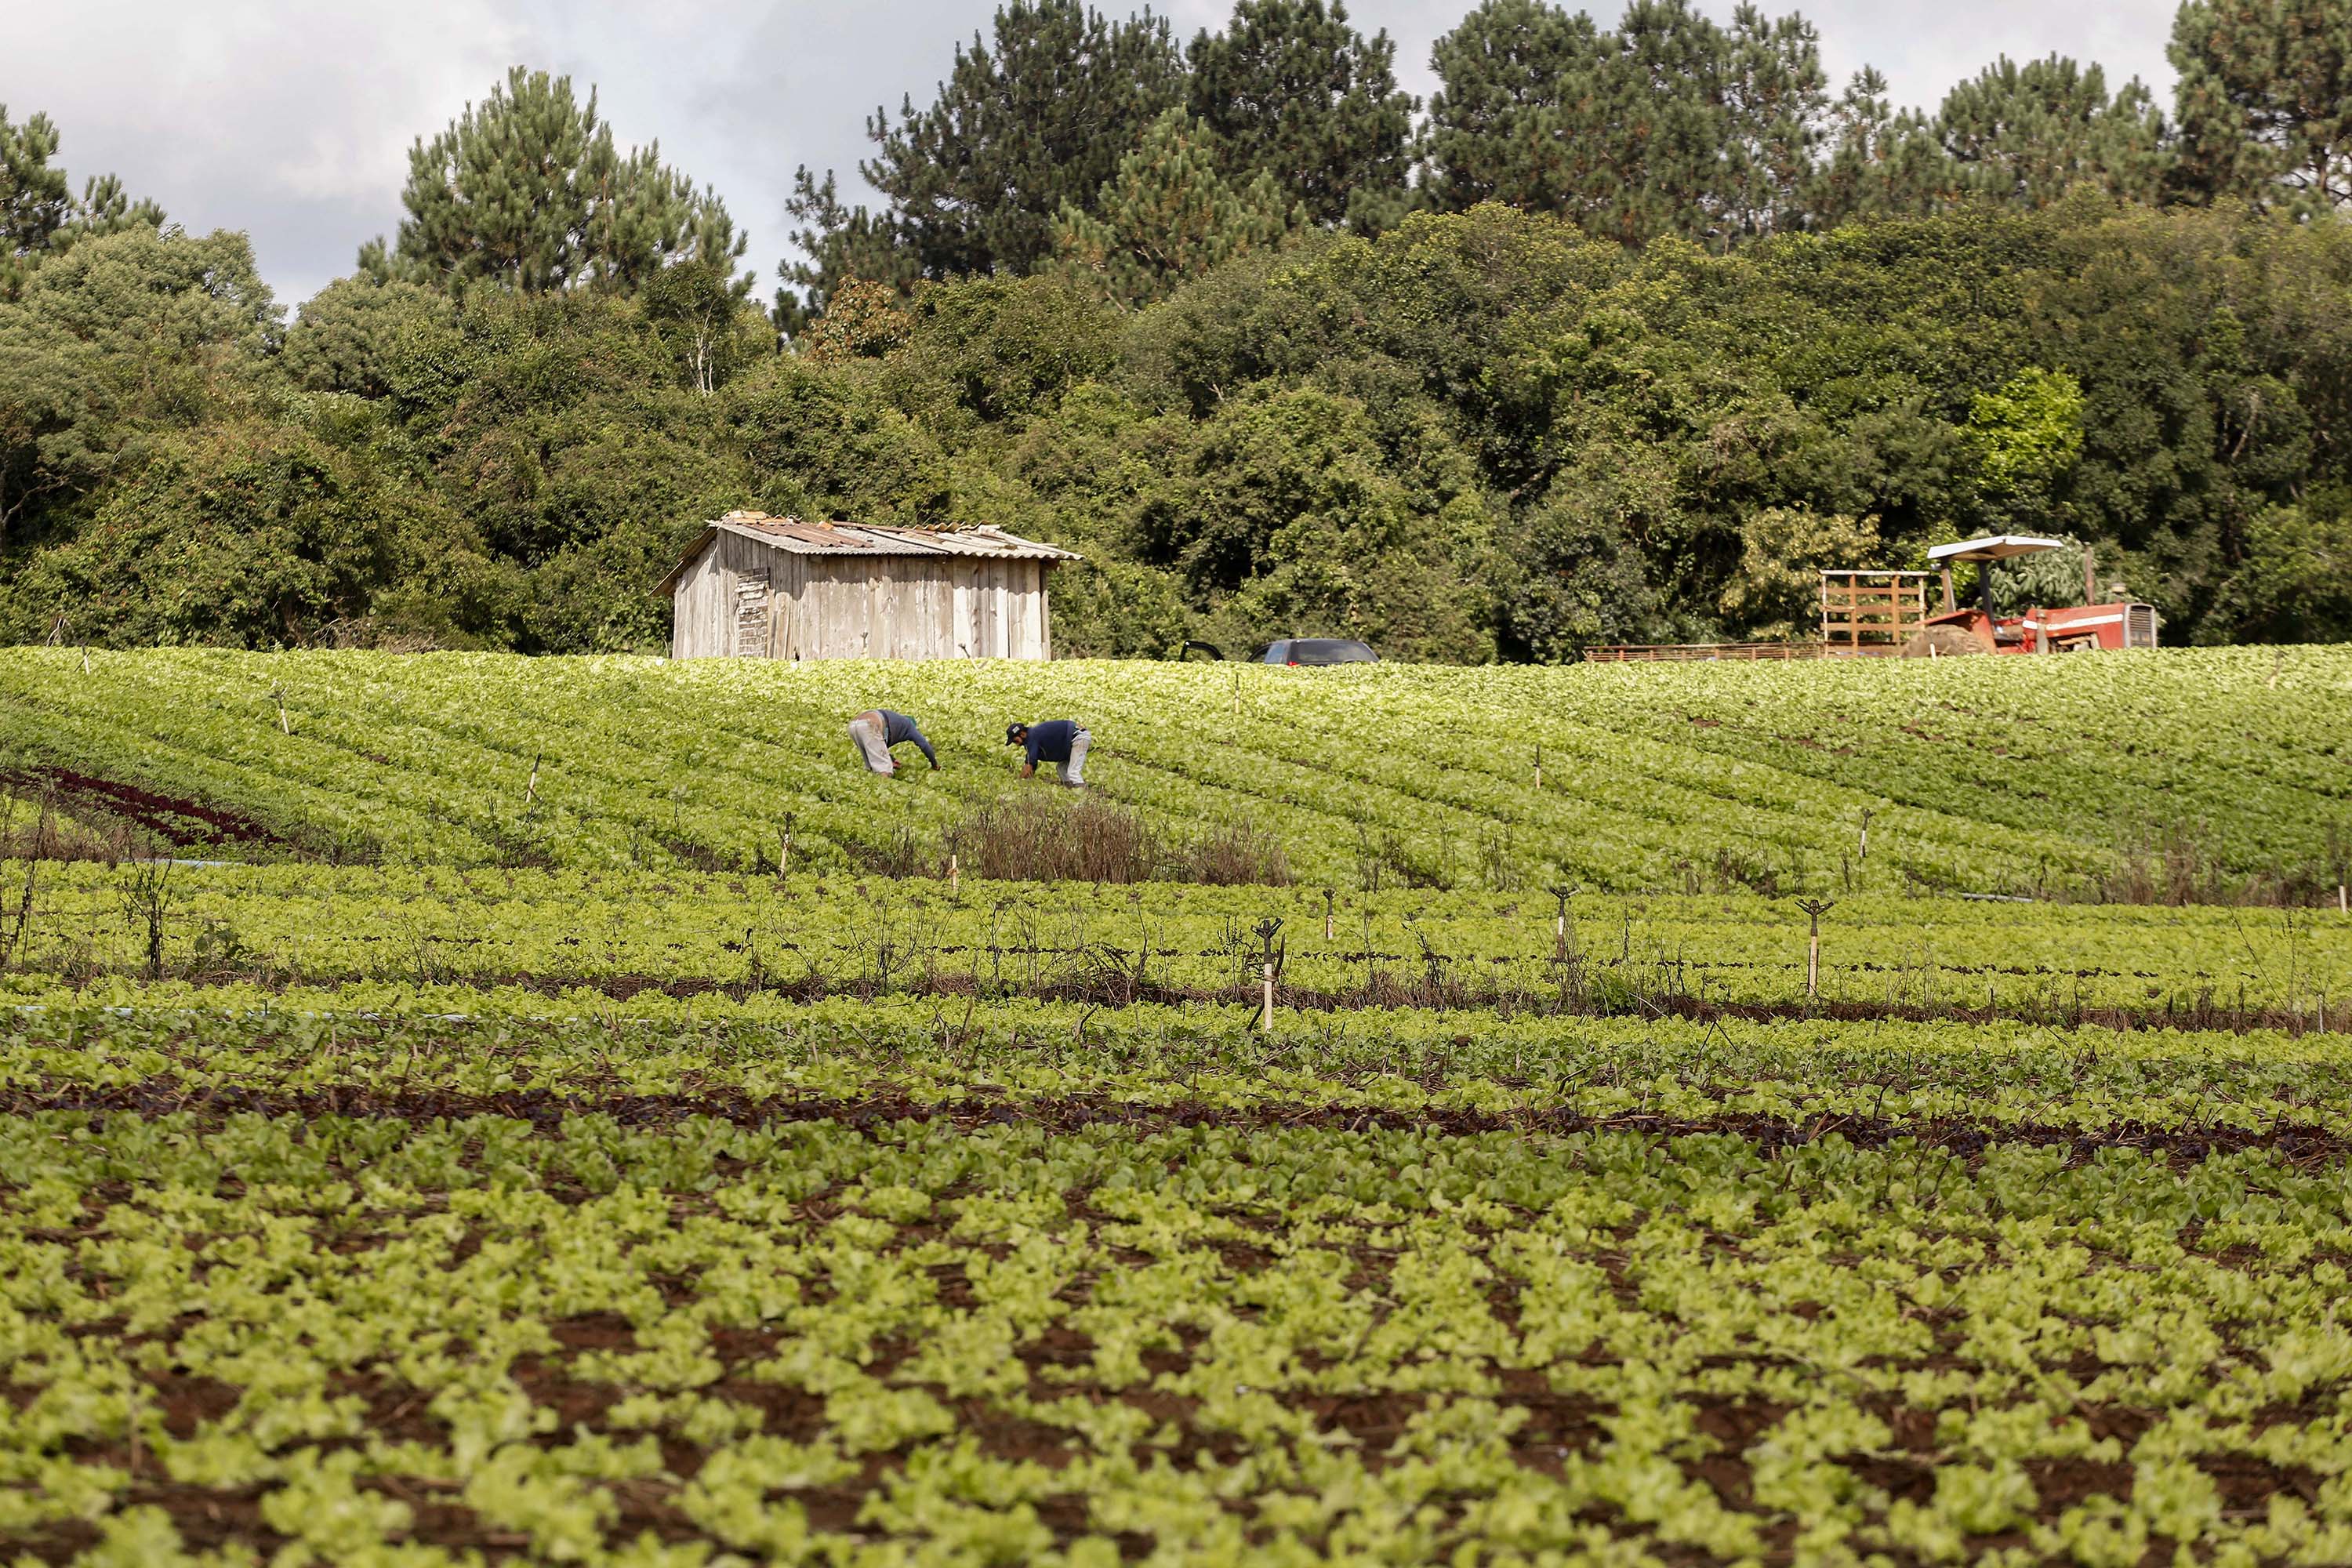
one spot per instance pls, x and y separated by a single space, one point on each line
1994 547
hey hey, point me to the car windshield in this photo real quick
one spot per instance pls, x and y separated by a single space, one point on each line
1331 650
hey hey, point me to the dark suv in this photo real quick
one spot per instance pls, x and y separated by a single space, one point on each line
1316 650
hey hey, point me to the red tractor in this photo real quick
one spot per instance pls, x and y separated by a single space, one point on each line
1877 614
2118 623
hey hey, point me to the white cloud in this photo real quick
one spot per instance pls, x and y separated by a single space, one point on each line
292 122
289 121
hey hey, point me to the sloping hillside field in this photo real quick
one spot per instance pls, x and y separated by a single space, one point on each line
435 1130
2016 775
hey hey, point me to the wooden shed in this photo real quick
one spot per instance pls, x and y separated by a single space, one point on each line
755 586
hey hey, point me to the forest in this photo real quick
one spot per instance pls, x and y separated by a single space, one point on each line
1621 335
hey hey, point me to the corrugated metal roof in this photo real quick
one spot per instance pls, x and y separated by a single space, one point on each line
865 539
875 539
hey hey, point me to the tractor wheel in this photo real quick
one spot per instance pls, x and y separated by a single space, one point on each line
1943 642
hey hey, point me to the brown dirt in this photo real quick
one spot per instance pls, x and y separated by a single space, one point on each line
178 821
2304 1143
701 857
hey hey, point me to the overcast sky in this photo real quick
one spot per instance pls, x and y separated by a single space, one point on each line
292 122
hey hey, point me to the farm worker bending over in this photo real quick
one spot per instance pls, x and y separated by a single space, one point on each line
1055 741
877 730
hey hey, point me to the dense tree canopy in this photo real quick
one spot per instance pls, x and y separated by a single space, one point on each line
1656 328
119 340
1669 123
1476 435
1672 124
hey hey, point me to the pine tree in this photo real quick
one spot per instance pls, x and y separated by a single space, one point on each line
1654 116
527 190
39 213
1291 89
1669 125
35 199
1882 162
105 208
1167 214
2026 134
1037 118
841 243
2265 101
1496 128
1769 95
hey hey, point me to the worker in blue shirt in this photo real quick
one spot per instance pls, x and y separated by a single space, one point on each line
877 729
1057 741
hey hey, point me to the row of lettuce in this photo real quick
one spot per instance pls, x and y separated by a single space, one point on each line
771 1059
816 932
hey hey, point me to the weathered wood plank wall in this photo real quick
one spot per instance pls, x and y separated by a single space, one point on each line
743 598
699 614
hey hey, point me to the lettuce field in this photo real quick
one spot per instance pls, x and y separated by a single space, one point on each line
2016 777
434 1129
583 938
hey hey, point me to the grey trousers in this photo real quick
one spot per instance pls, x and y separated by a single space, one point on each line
1074 771
866 736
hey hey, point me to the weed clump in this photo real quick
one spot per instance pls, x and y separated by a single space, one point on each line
1051 839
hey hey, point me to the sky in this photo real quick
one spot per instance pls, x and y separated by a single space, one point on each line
292 122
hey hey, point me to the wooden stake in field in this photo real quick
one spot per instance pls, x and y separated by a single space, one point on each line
1862 845
1326 914
1560 922
1538 768
1272 957
279 695
955 877
784 849
2343 907
1815 909
530 787
32 871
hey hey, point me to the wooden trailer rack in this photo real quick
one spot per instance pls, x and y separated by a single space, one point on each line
1873 611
